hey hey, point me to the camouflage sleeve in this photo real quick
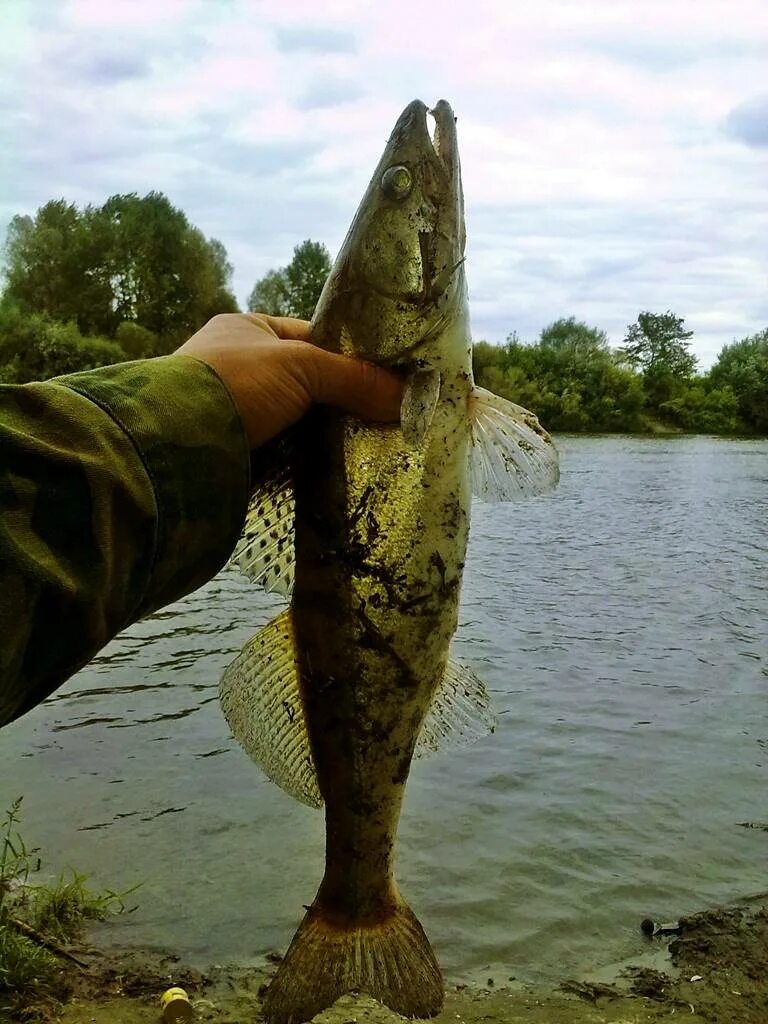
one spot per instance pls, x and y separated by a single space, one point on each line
121 489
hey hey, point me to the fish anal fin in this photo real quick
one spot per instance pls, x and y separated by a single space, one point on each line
460 712
260 696
512 455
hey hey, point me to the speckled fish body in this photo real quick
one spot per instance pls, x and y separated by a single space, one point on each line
357 673
382 523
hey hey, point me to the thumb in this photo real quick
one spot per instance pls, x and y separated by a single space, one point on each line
362 389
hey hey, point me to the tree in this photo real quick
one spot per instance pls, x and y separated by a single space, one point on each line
742 366
573 336
270 295
46 261
657 345
134 259
293 290
570 378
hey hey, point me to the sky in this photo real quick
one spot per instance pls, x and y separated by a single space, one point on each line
614 152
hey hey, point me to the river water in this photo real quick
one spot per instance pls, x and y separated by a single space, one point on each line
621 626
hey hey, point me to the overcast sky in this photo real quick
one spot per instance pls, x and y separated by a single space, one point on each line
615 152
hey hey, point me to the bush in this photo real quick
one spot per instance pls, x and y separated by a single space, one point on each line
136 341
35 347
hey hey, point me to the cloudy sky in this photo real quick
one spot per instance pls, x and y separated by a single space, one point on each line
615 152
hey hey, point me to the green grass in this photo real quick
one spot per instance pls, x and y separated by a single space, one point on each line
27 976
61 910
29 972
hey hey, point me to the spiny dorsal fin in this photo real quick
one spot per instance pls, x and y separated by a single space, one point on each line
261 699
512 455
460 712
265 551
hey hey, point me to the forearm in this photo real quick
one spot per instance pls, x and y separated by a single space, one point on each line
121 490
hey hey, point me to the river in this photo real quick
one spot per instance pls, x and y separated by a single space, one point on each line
621 626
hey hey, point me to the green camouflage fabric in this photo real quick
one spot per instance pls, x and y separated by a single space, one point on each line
121 489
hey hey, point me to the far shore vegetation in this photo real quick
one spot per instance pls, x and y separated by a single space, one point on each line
133 278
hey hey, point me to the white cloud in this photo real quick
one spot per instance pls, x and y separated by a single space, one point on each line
613 151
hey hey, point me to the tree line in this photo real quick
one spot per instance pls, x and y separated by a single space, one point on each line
133 278
575 381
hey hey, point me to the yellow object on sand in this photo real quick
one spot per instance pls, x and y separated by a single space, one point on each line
176 1006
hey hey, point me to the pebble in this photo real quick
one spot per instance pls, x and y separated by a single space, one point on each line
357 1009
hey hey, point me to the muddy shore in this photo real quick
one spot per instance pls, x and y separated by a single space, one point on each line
715 970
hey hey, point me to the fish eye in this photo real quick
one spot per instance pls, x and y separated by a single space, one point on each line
396 182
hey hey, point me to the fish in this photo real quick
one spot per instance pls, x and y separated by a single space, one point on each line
364 528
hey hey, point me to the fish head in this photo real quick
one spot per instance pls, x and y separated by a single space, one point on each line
398 280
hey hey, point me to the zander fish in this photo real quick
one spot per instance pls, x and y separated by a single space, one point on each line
365 526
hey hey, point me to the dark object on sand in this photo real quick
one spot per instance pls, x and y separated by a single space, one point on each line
651 928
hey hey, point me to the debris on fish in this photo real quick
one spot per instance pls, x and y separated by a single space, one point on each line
365 526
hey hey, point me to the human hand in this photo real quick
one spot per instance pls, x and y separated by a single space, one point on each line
274 374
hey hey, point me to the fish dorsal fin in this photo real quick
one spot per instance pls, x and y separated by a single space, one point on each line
420 395
460 712
512 455
265 551
261 699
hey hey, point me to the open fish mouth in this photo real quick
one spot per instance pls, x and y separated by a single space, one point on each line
442 142
443 138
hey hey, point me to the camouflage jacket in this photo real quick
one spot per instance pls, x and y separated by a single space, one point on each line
121 490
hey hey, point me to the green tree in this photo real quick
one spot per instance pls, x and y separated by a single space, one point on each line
570 378
46 261
658 345
293 290
270 295
703 409
134 259
742 366
35 347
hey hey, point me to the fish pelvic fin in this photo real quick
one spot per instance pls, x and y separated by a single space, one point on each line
390 959
260 695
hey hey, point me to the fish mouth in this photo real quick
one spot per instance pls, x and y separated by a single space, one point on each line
443 137
412 125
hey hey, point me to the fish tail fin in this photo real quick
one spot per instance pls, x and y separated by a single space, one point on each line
390 960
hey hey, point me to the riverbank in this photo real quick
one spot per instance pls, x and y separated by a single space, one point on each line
714 971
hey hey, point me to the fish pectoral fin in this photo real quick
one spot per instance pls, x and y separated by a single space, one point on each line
265 551
512 455
260 696
460 712
422 390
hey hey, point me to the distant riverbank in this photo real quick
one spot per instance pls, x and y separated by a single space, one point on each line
576 383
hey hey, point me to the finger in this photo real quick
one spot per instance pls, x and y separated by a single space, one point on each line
289 327
360 388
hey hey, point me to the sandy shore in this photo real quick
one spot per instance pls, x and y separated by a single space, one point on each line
725 951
